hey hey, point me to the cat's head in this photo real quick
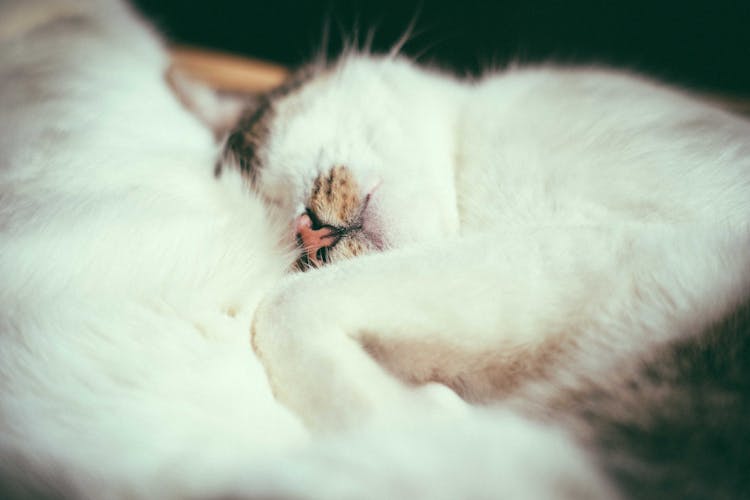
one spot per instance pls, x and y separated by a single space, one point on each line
357 156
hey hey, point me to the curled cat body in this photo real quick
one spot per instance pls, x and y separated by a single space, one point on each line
545 300
569 243
129 278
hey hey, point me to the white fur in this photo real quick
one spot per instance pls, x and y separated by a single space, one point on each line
129 279
591 209
532 205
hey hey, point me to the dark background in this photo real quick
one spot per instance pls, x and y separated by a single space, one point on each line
704 45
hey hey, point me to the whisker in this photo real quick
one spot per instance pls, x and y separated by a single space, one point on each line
406 36
369 39
428 48
321 60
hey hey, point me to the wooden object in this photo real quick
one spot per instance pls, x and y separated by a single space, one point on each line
226 72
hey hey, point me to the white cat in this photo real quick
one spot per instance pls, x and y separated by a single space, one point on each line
544 235
130 275
552 234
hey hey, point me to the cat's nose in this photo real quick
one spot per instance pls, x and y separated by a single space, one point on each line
312 239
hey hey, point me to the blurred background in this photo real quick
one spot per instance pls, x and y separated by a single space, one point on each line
703 45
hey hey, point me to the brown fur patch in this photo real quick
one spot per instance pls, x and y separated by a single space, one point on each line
335 198
478 376
247 139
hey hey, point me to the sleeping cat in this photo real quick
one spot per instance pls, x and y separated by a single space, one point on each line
570 243
563 248
129 279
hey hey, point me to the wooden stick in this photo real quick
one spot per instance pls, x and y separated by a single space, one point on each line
226 72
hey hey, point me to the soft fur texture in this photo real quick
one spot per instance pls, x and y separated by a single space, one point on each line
547 234
550 231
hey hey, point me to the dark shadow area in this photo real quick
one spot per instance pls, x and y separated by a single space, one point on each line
704 45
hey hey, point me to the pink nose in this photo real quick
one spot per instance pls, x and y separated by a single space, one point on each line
313 239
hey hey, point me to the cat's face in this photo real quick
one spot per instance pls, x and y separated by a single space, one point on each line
358 157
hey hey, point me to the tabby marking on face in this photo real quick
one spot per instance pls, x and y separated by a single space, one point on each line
335 197
335 204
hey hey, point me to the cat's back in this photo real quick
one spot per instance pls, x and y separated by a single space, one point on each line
600 144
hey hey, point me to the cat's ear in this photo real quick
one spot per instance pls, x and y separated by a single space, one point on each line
219 111
245 139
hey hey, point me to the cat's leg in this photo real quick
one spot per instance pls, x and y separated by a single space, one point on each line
442 312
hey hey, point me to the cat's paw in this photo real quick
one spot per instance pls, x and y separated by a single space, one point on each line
321 372
313 367
276 335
